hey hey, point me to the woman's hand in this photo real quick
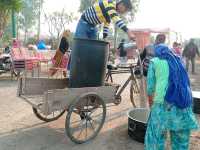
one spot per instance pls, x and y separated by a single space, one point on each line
150 100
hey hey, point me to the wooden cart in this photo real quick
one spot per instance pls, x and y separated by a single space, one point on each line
86 107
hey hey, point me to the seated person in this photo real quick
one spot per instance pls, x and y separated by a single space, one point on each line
59 58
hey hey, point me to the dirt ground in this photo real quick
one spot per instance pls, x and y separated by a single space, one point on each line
21 130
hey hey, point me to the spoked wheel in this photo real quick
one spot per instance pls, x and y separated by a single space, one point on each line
134 92
85 118
48 118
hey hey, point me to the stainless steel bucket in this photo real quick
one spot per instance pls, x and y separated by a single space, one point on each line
137 123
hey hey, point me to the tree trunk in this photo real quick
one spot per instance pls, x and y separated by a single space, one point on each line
39 20
25 35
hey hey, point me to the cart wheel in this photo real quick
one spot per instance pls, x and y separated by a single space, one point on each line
134 92
85 118
48 118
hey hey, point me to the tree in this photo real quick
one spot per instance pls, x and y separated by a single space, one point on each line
6 7
39 17
28 15
57 22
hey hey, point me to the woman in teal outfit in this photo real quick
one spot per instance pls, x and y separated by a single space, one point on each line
173 116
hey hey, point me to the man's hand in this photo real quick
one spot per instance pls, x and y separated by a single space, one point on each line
131 35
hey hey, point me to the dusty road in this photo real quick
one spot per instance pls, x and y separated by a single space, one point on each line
21 130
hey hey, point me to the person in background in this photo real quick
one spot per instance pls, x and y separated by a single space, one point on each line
122 52
176 48
146 55
169 92
16 43
103 12
7 49
59 55
148 52
190 51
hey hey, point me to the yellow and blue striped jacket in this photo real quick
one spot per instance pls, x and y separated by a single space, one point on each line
103 12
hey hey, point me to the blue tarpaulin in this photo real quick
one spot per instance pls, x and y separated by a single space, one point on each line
41 45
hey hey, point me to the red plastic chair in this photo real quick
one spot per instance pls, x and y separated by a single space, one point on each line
22 61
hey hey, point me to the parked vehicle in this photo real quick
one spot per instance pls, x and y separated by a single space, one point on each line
5 63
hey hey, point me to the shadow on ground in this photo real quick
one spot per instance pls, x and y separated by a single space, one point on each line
51 136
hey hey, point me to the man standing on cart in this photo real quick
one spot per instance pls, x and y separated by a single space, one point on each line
103 12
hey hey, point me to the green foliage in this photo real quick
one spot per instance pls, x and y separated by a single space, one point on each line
6 7
7 36
11 4
29 15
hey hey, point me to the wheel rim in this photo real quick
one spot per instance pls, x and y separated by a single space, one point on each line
85 119
134 92
51 117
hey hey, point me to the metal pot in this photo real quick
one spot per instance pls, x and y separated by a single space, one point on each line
137 123
196 102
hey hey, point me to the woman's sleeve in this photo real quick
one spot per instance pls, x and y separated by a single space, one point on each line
151 79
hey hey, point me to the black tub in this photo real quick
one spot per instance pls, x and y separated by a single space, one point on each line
196 102
137 123
88 63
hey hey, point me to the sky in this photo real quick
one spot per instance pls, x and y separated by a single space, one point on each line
179 15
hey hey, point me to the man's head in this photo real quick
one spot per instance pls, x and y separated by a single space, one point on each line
160 38
124 6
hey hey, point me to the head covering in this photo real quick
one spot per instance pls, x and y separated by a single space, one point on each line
178 92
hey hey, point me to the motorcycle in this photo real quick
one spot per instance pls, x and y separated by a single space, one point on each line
5 63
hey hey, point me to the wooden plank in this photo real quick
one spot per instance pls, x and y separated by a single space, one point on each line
37 86
62 98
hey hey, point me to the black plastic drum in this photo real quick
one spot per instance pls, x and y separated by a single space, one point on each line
88 63
137 123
